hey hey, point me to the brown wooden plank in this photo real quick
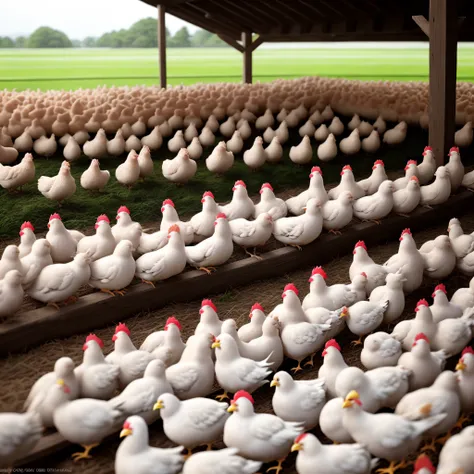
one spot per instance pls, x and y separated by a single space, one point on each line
423 23
443 62
231 42
260 40
162 44
98 309
247 57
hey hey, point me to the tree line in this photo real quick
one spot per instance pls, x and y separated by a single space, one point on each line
141 34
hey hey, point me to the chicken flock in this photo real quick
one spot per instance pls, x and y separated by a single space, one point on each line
168 377
52 269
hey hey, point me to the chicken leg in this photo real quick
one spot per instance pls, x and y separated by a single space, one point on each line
278 468
148 283
465 417
335 232
188 454
297 368
392 467
430 446
108 292
357 342
208 270
224 396
254 254
85 454
310 361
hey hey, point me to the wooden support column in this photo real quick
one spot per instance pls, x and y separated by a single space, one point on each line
247 57
443 58
162 44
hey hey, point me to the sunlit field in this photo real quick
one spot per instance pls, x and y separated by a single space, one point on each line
75 68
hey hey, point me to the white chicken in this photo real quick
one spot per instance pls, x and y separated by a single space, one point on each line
338 213
442 308
439 191
455 168
462 243
93 178
276 207
27 238
252 234
59 187
220 160
102 243
171 217
35 261
396 135
203 222
126 228
255 157
63 244
427 168
315 190
347 183
371 184
180 169
439 257
406 200
128 172
377 206
14 177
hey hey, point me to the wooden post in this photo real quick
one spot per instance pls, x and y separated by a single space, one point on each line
443 57
162 44
247 55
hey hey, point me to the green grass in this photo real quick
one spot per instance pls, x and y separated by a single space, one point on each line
145 199
75 68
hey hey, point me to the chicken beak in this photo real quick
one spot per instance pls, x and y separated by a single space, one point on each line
347 404
274 383
460 365
60 382
216 345
344 314
304 208
158 405
232 408
125 432
296 447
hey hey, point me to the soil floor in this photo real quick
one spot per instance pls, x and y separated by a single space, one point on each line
18 372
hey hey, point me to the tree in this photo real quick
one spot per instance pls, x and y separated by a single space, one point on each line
182 39
142 34
21 42
200 38
45 37
6 42
89 42
76 43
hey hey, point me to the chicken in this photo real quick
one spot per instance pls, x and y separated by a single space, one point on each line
172 346
72 151
392 292
171 217
276 207
102 243
396 135
462 243
380 350
441 307
377 206
129 171
10 260
302 153
63 244
302 229
463 137
440 259
298 401
236 143
348 183
93 178
333 365
215 250
411 170
252 234
14 177
439 191
274 151
35 261
453 335
177 142
465 373
327 151
255 157
126 228
220 160
11 293
116 146
224 461
338 213
315 190
456 454
371 144
258 436
96 148
351 144
136 455
241 205
364 316
59 187
371 184
455 168
180 169
424 364
427 168
362 262
27 238
203 222
209 322
407 199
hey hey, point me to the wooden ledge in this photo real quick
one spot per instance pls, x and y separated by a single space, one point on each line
99 309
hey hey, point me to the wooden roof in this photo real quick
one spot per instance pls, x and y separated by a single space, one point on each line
315 20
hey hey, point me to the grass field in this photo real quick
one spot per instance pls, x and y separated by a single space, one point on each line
75 68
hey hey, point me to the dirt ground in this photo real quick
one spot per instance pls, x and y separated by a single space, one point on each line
19 372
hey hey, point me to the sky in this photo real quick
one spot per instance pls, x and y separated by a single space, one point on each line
77 19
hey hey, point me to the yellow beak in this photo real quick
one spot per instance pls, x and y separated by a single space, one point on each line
216 345
274 383
305 208
343 314
125 432
460 365
232 408
158 405
347 404
61 382
296 447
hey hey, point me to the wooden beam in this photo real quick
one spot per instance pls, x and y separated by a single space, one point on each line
231 42
443 61
247 57
423 23
162 44
257 42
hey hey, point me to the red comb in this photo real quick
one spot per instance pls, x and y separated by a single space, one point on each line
300 437
332 343
319 271
127 426
267 185
93 337
101 218
454 148
347 167
361 243
172 320
364 274
379 162
210 304
467 350
54 216
243 394
411 162
316 169
424 462
421 336
208 194
422 302
291 287
121 327
27 225
240 183
428 148
257 306
439 287
123 209
404 231
221 215
168 201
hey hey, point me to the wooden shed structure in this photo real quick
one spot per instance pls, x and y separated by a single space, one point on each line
443 22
